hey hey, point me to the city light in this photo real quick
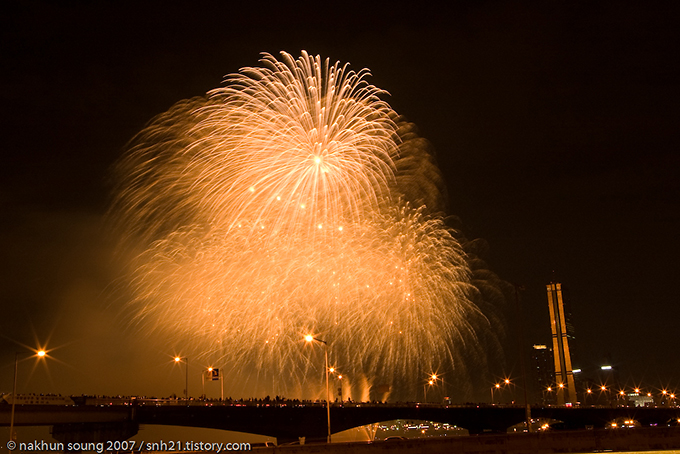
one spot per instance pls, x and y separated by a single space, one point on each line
179 359
40 354
606 367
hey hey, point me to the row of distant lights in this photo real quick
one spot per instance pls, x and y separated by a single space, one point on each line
589 391
621 392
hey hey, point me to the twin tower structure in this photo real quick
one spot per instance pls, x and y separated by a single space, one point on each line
561 333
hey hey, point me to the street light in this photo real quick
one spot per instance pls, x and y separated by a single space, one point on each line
338 377
309 338
496 386
186 380
39 354
430 382
432 379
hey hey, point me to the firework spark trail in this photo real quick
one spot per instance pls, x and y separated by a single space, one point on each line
283 204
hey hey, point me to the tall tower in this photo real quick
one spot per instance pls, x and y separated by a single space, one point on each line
566 393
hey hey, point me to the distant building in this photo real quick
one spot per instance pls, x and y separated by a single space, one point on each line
542 363
640 400
564 376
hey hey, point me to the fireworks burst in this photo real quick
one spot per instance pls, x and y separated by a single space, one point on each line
294 200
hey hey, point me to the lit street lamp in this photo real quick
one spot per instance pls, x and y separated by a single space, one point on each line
548 395
560 389
186 380
430 383
494 387
211 373
603 389
309 338
432 379
39 354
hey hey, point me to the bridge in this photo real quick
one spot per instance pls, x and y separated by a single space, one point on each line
287 422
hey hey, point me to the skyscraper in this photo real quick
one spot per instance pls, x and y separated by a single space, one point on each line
566 388
543 373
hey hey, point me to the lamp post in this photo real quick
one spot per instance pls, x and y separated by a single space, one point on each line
605 390
210 373
434 378
309 338
430 382
496 386
186 379
39 354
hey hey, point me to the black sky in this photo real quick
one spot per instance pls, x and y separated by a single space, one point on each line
555 125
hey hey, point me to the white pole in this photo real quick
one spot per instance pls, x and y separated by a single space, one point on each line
328 396
12 435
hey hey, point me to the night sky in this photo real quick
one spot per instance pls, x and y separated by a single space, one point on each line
555 125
